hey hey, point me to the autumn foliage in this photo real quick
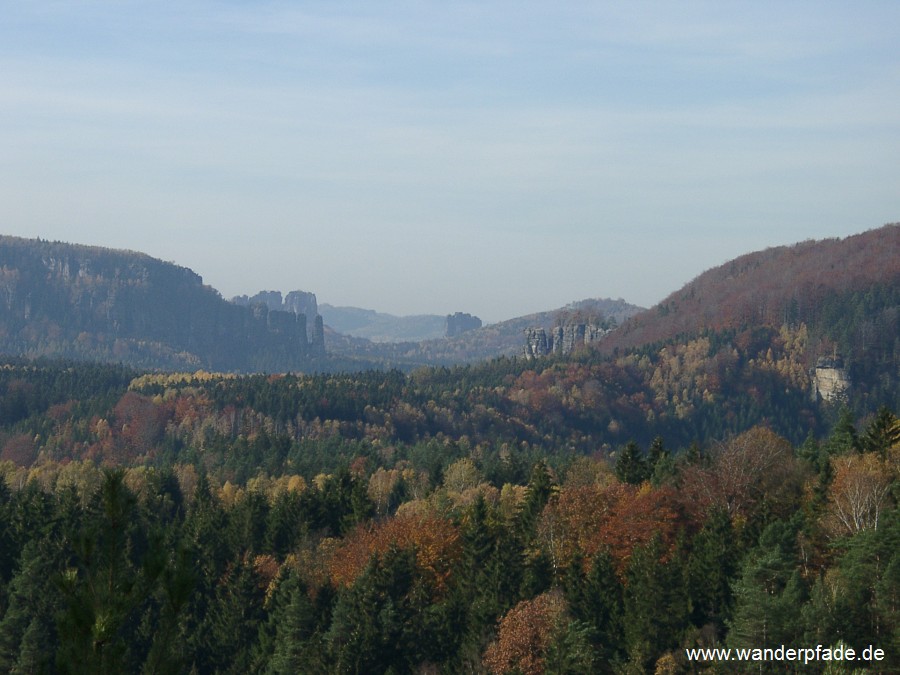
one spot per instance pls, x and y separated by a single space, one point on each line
583 520
435 541
524 634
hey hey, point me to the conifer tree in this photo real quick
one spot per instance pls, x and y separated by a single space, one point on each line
117 569
595 600
537 493
882 433
769 592
28 639
631 466
655 608
656 453
231 627
288 639
712 566
843 438
286 524
374 626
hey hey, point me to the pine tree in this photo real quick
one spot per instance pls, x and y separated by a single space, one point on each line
287 523
843 438
570 651
478 587
116 571
169 649
537 493
882 433
288 639
656 453
203 537
374 626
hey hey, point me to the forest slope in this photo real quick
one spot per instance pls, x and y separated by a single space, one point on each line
773 287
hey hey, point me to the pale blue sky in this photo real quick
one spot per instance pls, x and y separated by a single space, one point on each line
420 157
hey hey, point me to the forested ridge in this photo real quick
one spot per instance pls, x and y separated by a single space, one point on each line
91 303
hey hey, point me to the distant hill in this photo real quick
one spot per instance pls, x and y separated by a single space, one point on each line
99 304
505 338
381 327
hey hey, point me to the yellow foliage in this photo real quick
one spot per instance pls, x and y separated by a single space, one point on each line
229 494
511 499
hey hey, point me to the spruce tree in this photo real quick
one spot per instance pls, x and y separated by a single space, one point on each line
116 570
28 638
769 592
631 466
537 493
712 566
655 607
374 625
882 433
287 641
595 599
230 629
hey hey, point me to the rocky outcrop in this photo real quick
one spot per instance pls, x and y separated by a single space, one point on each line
830 380
459 323
301 302
317 344
297 304
563 339
535 343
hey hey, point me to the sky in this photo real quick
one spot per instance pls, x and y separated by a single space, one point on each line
498 158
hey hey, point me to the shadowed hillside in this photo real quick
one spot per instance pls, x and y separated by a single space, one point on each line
99 304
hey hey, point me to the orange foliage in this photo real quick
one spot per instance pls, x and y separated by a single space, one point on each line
616 517
857 495
19 450
524 635
436 542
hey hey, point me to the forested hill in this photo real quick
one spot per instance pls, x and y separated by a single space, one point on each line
847 289
92 303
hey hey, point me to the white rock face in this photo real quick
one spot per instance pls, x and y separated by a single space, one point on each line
830 380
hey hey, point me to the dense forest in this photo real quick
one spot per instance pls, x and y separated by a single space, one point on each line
559 516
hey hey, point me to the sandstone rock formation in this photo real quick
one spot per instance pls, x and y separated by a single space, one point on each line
293 310
460 322
563 339
830 380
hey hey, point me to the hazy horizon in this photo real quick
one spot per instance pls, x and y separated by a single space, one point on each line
424 158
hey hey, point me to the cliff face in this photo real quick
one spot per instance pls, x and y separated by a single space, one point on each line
100 304
830 380
562 340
